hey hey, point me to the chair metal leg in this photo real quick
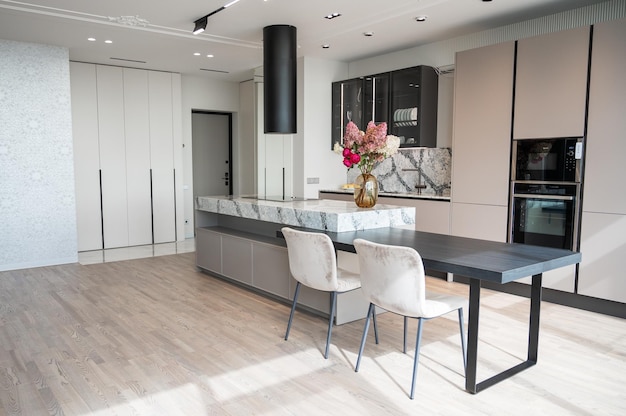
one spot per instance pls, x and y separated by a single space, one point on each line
375 325
293 309
406 324
333 306
370 311
463 347
417 354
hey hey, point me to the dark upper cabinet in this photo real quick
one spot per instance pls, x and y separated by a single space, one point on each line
348 105
405 99
376 92
414 93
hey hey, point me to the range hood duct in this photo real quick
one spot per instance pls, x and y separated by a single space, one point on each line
279 79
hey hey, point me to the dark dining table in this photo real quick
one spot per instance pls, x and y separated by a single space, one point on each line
478 261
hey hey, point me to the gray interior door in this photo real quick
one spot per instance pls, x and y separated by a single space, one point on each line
211 150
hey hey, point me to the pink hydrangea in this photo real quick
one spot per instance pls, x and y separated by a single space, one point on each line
364 149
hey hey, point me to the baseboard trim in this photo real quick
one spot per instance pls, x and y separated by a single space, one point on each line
573 300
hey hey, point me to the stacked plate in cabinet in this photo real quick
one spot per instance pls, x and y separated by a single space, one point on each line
404 117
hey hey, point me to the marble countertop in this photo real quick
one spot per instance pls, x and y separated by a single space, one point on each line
412 195
319 214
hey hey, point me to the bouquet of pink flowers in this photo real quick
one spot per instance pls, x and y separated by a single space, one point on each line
365 149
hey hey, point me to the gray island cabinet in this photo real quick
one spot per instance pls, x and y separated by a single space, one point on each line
236 239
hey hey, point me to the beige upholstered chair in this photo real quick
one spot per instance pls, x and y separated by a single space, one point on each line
392 277
313 263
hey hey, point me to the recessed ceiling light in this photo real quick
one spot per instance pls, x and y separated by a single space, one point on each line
326 46
421 18
108 41
332 15
209 56
197 54
368 34
91 39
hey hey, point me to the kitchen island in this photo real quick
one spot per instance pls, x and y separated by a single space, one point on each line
236 239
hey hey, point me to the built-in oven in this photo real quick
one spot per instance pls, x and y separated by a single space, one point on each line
545 192
547 160
545 214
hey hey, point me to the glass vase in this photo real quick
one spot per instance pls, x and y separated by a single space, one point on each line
365 190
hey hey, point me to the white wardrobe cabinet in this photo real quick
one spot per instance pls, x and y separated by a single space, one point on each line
137 153
162 156
87 156
112 144
274 156
124 134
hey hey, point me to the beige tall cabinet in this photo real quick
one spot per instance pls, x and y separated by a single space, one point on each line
125 125
483 99
551 84
603 241
551 99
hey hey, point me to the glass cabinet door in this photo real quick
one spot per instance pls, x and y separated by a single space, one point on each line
376 109
405 99
347 102
414 106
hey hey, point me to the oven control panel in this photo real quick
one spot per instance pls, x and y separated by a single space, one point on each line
570 156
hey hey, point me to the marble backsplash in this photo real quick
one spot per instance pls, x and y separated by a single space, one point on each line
428 166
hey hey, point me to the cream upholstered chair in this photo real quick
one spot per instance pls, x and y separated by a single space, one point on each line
392 277
313 263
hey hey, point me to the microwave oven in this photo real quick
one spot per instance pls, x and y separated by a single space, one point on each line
547 160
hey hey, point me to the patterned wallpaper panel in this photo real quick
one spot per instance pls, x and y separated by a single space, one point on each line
37 204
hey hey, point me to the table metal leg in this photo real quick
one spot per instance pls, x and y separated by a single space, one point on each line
535 310
472 337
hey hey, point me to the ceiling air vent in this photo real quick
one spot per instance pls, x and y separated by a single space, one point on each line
214 70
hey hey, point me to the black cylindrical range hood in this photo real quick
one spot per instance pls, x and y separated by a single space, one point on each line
279 79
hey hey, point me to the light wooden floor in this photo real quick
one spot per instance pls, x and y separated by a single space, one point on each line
156 337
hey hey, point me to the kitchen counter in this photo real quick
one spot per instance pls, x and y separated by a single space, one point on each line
319 214
408 195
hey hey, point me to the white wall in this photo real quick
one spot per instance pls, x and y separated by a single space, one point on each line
207 95
37 199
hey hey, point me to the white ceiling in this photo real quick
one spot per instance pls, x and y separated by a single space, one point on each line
234 35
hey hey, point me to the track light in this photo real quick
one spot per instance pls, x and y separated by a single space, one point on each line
201 22
200 25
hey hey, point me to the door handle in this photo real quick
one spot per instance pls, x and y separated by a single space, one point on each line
544 196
